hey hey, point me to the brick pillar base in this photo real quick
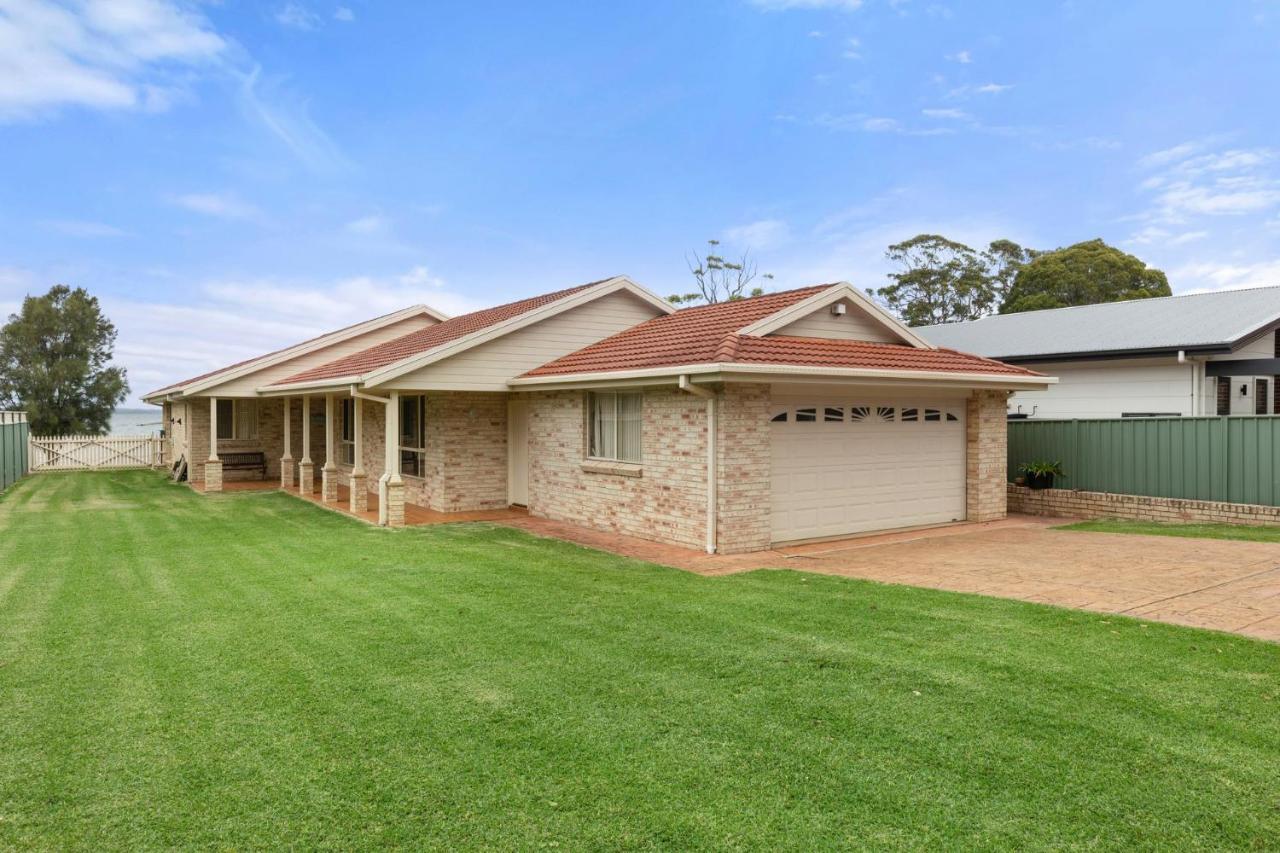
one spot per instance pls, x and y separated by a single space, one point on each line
306 478
359 493
329 485
286 472
395 504
213 476
987 455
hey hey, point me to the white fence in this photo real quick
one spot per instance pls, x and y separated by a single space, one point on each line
95 452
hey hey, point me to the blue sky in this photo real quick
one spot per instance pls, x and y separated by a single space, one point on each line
230 177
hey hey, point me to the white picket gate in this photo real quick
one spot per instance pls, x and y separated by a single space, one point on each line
95 452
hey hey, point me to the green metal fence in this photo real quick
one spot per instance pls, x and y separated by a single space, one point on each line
13 447
1221 459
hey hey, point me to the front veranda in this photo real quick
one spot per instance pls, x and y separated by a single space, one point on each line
448 451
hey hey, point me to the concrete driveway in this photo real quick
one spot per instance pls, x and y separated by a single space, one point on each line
1206 583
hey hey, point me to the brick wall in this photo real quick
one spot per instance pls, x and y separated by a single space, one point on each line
666 502
986 455
1069 503
270 440
744 462
466 458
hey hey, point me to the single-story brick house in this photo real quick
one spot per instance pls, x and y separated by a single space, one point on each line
798 415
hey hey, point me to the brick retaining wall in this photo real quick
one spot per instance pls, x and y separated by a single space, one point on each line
1069 503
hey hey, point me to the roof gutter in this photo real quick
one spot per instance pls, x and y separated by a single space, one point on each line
947 377
709 396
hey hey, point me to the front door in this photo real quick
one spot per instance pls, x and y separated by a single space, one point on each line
518 451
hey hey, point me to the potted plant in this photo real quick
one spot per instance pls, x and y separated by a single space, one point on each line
1040 473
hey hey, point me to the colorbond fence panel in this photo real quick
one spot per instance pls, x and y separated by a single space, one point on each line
1217 459
13 447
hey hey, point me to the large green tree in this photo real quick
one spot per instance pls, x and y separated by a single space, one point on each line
1084 274
943 281
55 359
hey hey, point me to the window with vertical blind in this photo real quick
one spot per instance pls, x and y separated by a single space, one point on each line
614 426
347 438
1223 395
413 435
237 419
1259 396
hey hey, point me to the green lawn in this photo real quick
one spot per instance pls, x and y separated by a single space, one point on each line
1248 533
251 671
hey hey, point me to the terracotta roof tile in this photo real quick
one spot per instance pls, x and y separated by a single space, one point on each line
689 336
708 334
423 340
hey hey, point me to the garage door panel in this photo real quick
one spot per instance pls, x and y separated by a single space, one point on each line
872 470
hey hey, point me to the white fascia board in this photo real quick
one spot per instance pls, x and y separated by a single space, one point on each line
319 386
384 375
312 346
838 291
726 371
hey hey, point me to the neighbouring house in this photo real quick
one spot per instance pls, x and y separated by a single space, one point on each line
798 415
1198 354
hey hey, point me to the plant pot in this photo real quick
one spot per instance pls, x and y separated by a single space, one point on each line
1040 481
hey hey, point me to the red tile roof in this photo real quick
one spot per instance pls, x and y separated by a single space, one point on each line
247 361
423 340
689 336
708 334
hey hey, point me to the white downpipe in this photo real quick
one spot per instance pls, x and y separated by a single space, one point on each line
710 396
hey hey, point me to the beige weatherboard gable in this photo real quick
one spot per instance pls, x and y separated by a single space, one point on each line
389 376
863 319
489 366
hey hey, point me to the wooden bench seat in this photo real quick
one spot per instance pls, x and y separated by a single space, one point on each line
255 461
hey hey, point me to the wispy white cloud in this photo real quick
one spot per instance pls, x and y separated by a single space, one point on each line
287 118
852 49
231 318
98 54
83 228
1191 182
865 123
374 223
950 113
344 14
297 16
963 57
761 235
1208 275
224 205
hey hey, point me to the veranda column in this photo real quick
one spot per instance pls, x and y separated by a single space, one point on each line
286 461
329 476
391 487
306 470
213 468
359 482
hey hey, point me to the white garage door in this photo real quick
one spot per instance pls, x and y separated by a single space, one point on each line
842 467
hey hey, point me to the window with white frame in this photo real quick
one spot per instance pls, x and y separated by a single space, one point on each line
614 426
347 439
413 435
237 419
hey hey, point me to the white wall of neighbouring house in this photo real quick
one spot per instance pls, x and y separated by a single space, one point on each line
1116 387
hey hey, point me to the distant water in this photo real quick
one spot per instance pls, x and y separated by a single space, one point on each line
135 421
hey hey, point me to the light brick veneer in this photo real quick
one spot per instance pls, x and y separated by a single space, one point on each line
213 476
1069 503
666 502
744 462
270 440
986 455
466 458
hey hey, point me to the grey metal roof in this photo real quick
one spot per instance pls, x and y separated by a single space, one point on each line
1194 321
